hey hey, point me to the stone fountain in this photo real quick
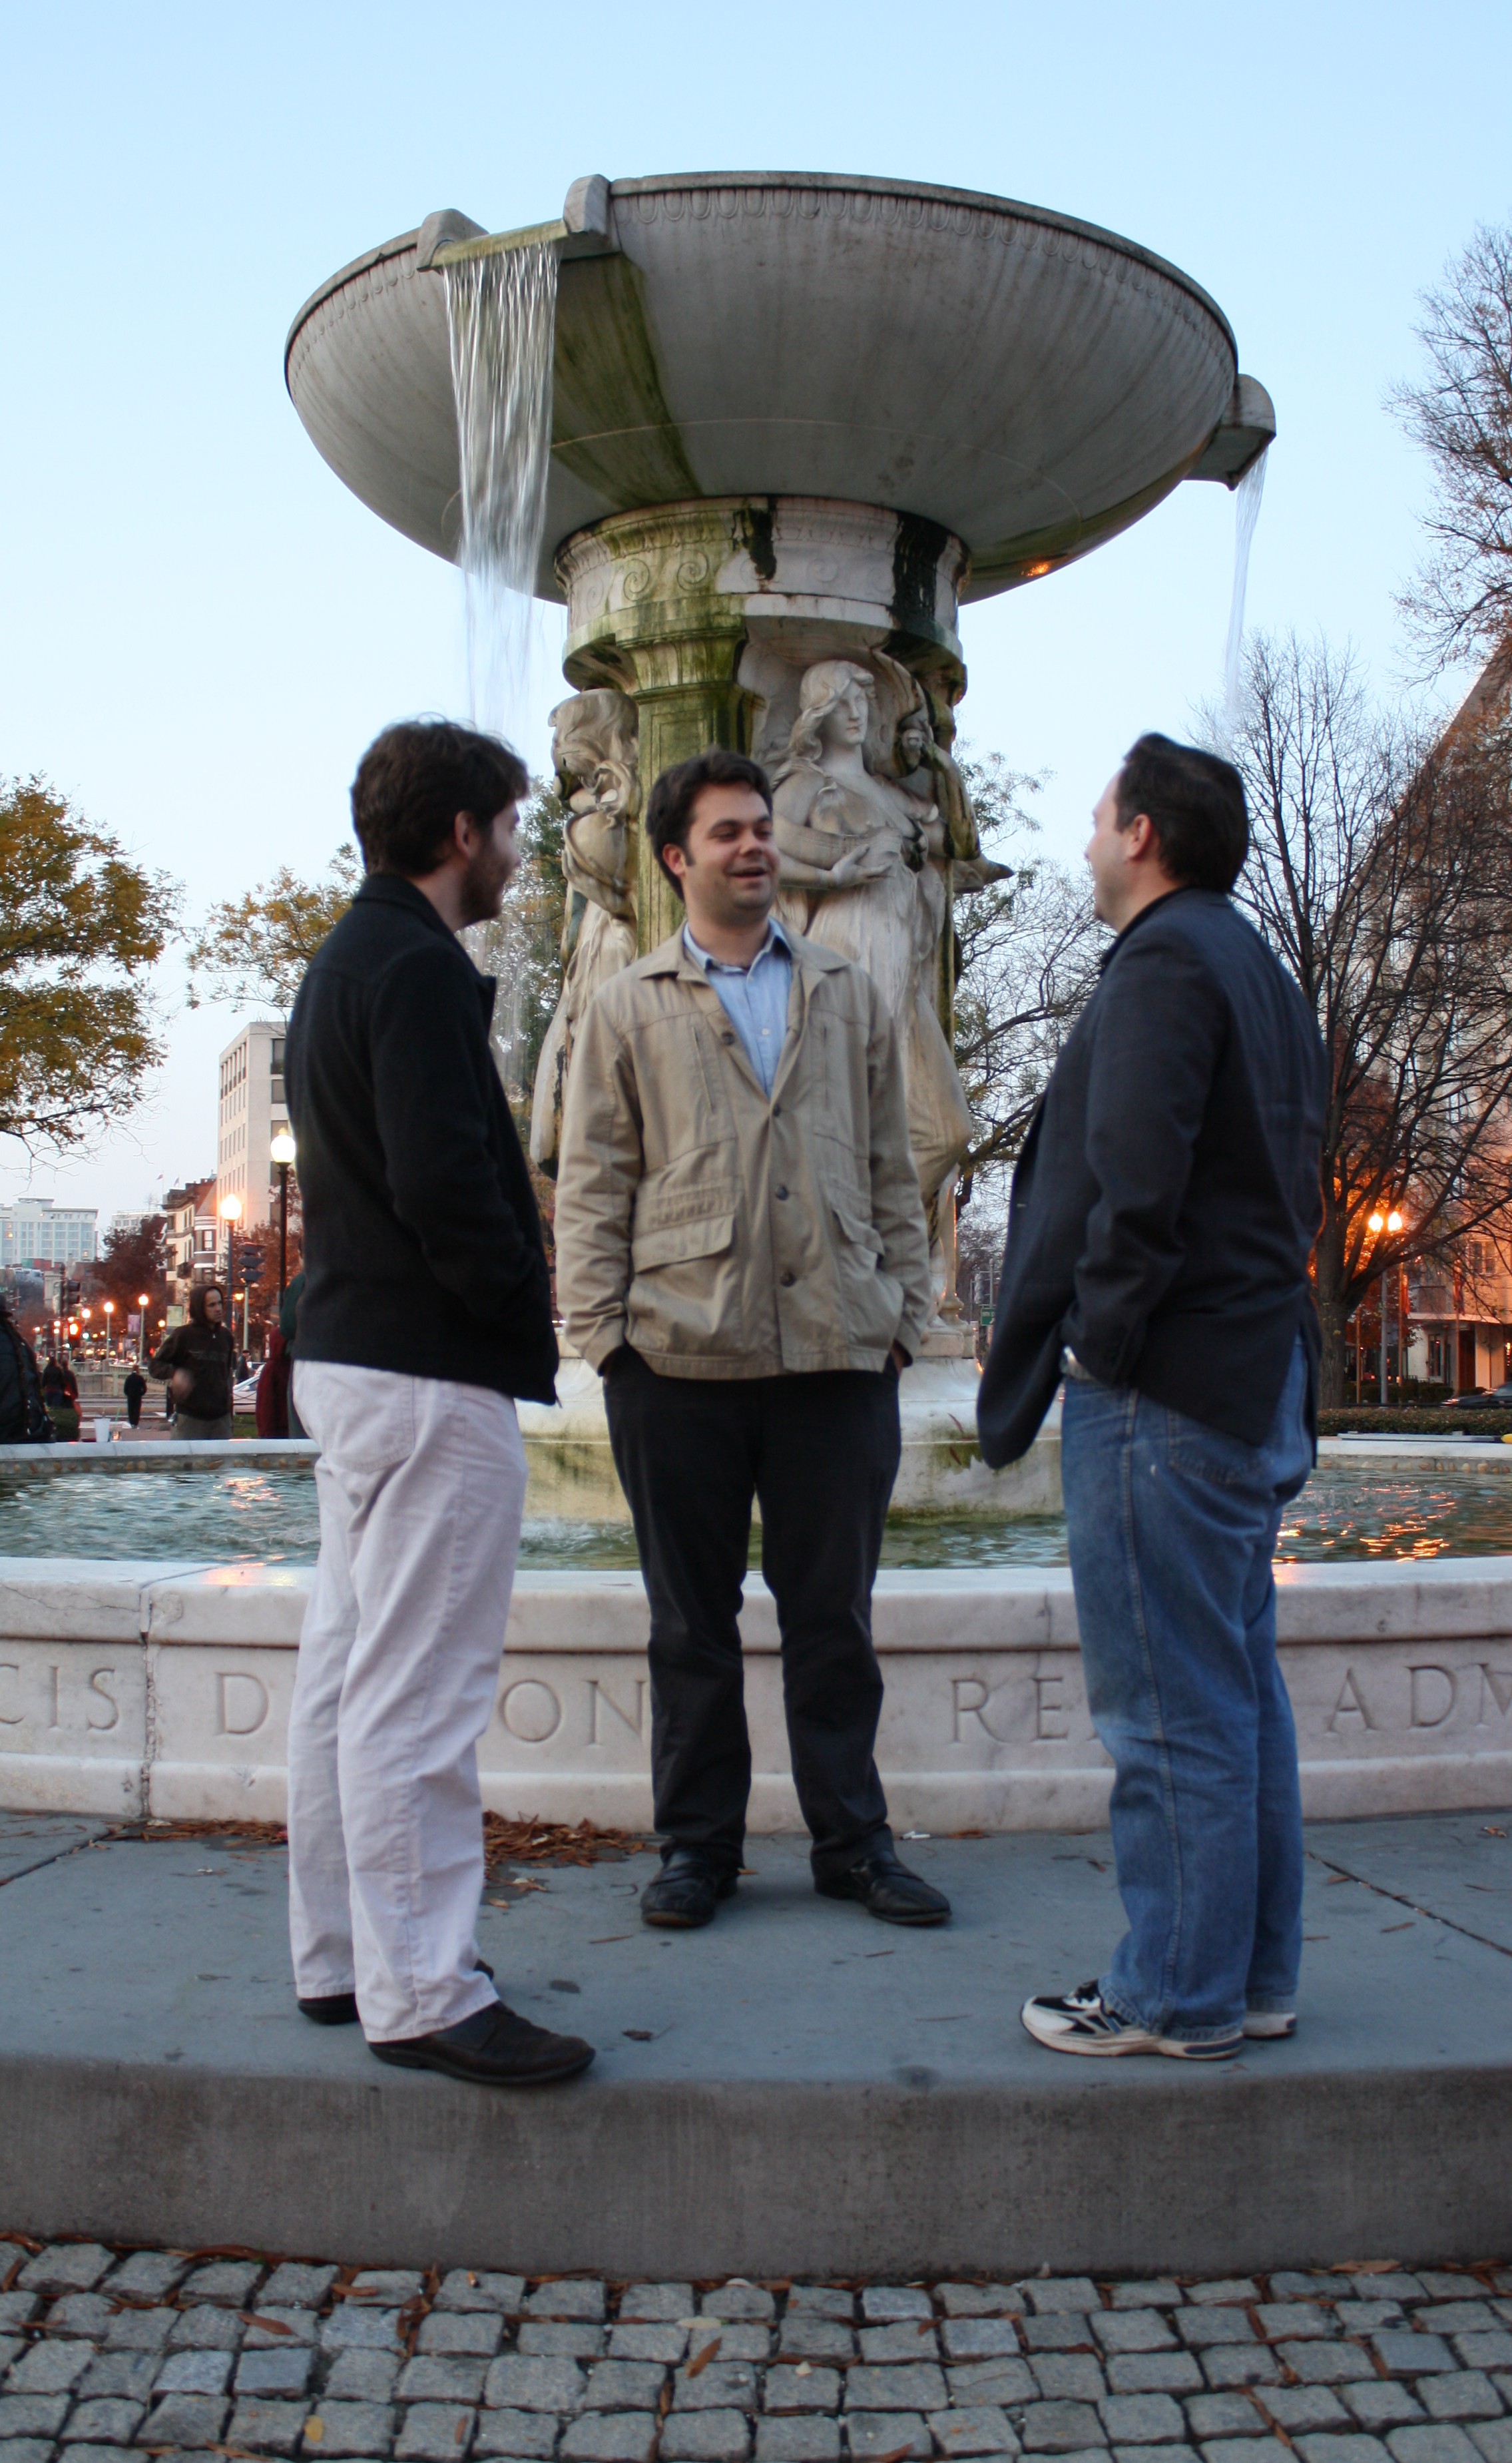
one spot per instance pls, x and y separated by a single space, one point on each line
794 423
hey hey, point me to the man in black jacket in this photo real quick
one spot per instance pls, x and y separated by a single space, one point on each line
1164 1207
427 1309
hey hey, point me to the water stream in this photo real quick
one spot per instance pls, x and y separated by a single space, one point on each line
1246 513
501 314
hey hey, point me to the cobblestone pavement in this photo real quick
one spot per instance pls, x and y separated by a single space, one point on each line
105 2355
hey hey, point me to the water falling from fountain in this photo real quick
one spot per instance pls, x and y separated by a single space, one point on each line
1246 513
501 316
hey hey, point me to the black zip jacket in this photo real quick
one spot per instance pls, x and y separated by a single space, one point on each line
1167 1197
422 1245
208 1352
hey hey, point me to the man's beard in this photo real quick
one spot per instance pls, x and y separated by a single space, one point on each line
484 884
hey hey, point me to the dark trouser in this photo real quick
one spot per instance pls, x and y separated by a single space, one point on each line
134 1411
821 1453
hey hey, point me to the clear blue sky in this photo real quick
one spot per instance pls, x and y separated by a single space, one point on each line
199 628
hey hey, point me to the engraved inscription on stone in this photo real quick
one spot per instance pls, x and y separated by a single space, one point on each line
242 1703
60 1697
1423 1696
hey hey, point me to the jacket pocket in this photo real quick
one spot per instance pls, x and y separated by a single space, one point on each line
671 1244
870 1301
684 1297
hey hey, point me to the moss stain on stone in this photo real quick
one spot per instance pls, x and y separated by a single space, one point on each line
611 426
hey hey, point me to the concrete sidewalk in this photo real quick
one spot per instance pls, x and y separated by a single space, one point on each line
796 2090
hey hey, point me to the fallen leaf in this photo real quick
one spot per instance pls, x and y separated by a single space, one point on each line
1401 1927
315 2431
703 2357
605 1938
638 2035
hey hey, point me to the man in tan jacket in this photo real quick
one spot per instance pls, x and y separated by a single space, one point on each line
742 1254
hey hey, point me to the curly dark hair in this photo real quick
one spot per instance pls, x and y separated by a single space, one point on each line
669 814
1197 809
415 779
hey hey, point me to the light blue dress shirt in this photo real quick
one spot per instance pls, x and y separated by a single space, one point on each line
754 997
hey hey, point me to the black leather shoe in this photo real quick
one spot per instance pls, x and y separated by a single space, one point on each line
687 1890
340 2009
887 1889
495 2047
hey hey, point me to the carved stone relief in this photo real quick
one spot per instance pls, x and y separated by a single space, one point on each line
594 753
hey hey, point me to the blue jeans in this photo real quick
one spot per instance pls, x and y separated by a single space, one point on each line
1172 1528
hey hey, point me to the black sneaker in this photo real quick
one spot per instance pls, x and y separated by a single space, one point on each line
495 2047
1077 2022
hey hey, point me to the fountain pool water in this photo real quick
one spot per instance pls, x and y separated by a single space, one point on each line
1347 1512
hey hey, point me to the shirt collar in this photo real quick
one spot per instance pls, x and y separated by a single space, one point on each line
776 939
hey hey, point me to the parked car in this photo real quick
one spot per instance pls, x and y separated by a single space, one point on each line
1499 1398
244 1397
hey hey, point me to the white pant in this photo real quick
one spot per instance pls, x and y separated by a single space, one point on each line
421 1490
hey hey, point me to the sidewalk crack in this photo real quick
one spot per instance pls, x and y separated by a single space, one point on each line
1430 1915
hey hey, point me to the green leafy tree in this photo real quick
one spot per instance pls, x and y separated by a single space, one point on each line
79 924
254 950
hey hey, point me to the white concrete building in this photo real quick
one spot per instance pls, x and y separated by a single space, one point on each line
35 1231
253 1111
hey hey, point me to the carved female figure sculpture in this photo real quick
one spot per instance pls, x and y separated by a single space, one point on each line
853 847
594 753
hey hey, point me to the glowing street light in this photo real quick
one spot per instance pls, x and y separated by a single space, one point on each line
229 1210
283 1150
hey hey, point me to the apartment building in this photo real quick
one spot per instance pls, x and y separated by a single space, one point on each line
190 1241
34 1231
1459 1319
253 1111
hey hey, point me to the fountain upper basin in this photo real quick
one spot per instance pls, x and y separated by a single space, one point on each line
1030 384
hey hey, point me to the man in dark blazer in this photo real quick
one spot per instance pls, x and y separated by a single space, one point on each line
1164 1207
427 1310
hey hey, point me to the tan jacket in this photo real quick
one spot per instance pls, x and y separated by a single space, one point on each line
721 1234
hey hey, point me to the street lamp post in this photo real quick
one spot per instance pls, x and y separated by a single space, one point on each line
282 1151
110 1311
142 1305
230 1213
1379 1223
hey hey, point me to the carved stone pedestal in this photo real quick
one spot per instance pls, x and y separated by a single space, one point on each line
669 605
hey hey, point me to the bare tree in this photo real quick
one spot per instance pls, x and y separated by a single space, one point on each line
1379 873
1027 963
1460 414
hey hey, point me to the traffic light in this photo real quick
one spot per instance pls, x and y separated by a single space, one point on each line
72 1294
251 1265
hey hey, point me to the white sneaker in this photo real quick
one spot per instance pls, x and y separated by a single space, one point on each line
1269 2023
1077 2022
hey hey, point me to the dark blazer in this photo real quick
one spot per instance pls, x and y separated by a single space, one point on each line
1167 1196
422 1245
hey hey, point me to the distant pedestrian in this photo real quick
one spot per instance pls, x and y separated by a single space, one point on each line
60 1397
427 1309
1165 1207
24 1418
134 1388
742 1254
197 1361
289 1328
272 1387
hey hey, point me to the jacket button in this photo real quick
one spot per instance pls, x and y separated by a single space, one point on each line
787 1278
776 1111
726 1038
781 1193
